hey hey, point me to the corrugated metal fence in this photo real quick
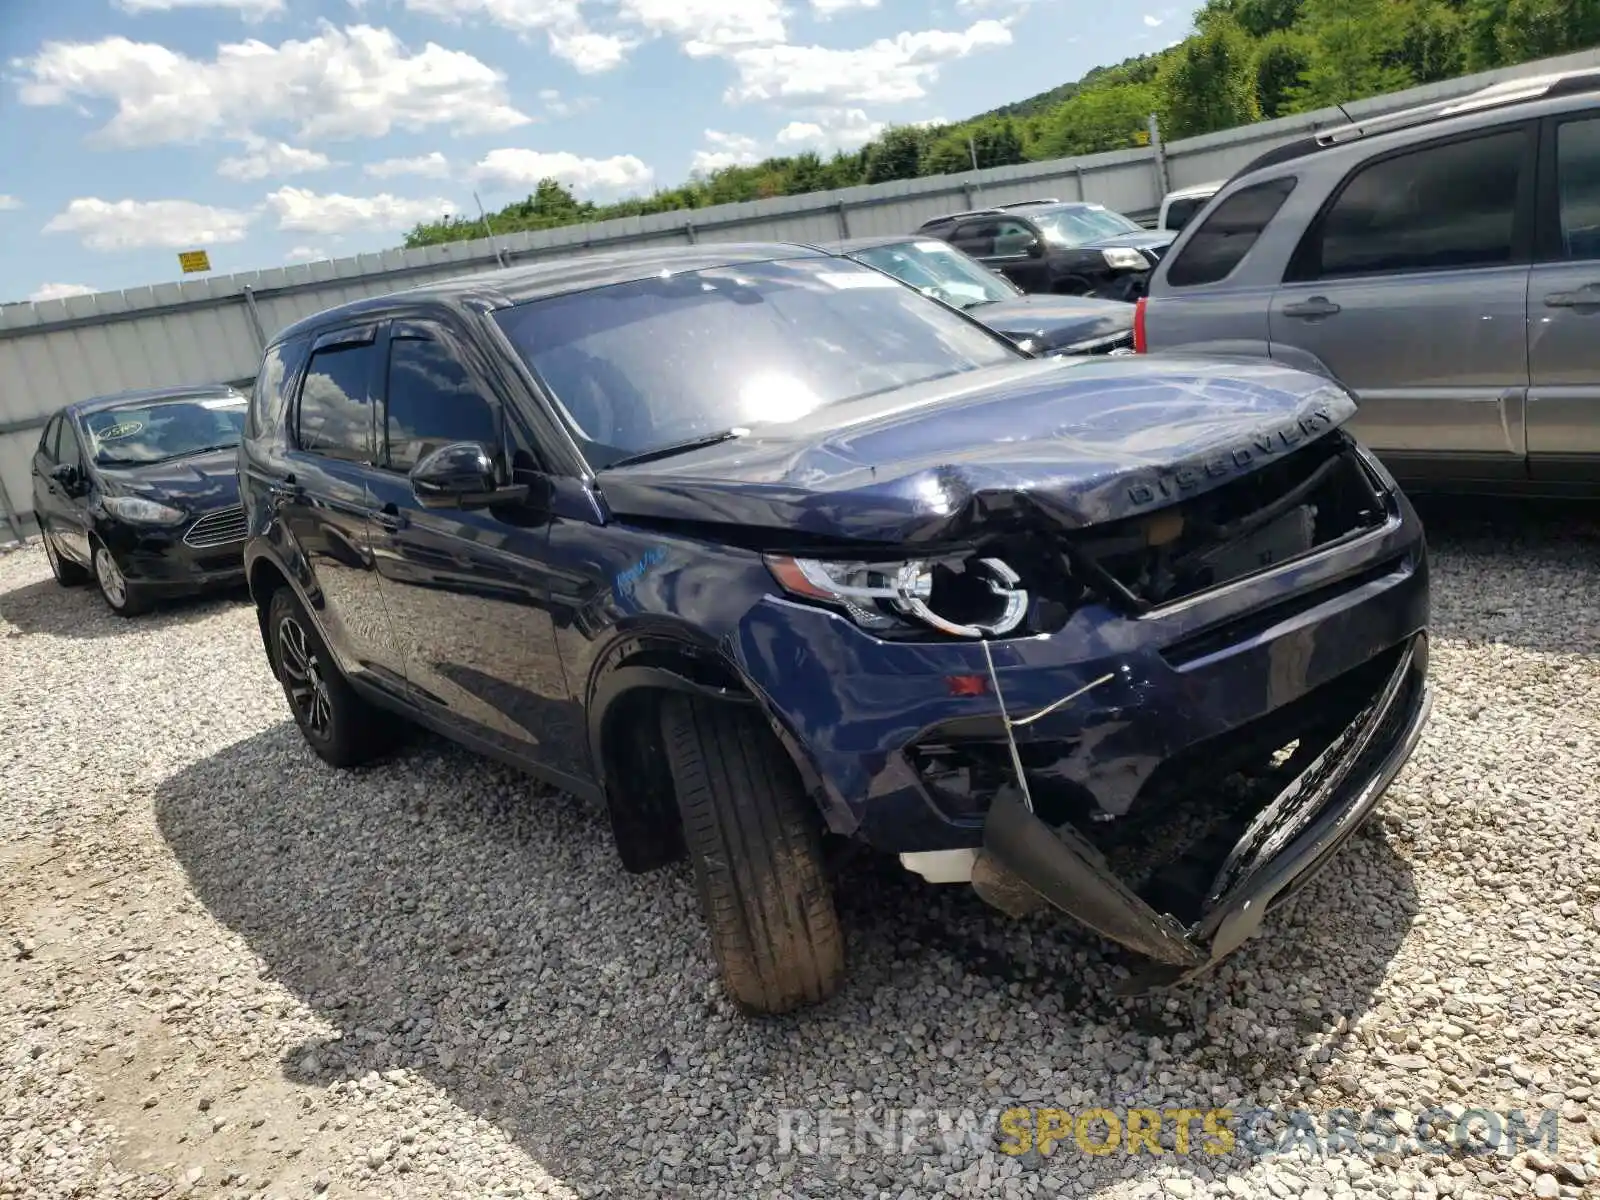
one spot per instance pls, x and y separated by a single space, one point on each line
214 329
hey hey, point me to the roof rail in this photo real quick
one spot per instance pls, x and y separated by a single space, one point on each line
1496 95
1026 203
956 216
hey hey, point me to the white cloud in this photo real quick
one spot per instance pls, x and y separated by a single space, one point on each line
707 27
59 291
521 15
306 254
308 212
252 10
832 129
432 165
726 150
888 71
9 203
266 160
827 8
1152 20
359 82
590 53
140 224
514 168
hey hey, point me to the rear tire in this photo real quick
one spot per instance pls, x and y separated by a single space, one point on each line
342 728
68 574
756 845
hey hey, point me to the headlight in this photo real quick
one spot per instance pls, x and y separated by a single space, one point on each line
1124 259
970 598
141 511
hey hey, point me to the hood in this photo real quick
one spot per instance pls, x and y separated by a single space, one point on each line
1055 322
1138 239
1075 441
198 484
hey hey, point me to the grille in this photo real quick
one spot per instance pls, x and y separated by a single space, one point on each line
217 529
1117 341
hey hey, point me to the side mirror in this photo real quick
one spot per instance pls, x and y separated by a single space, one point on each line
68 476
1035 249
461 476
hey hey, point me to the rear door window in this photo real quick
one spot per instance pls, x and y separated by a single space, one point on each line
1215 250
1444 207
269 399
976 238
1578 188
335 412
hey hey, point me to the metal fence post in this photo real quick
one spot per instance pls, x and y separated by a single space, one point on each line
255 317
1077 174
844 220
688 232
1163 184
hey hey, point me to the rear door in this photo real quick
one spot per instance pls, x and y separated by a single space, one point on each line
468 591
1564 306
69 515
1411 287
323 501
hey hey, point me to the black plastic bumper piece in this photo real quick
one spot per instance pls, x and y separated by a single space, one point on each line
1296 835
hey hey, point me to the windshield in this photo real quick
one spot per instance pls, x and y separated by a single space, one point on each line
949 274
1075 226
643 365
157 430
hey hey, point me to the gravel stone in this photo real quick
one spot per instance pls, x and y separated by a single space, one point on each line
232 971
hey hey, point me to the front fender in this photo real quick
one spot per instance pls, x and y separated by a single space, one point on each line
1255 348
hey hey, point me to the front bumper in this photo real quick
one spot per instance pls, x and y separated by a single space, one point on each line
176 561
1294 836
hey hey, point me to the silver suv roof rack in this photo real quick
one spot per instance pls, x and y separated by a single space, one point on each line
1027 203
1496 95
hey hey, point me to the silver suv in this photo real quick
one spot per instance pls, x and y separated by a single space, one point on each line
1443 263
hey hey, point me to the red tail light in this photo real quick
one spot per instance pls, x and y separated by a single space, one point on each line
1140 344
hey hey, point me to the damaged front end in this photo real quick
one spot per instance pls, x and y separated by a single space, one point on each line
1189 879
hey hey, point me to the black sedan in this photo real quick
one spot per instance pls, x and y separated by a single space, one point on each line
1041 323
140 492
1076 249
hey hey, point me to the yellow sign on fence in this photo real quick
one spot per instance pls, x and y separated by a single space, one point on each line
194 260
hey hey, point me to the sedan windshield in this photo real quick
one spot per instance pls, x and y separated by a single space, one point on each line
941 270
678 358
1075 226
158 430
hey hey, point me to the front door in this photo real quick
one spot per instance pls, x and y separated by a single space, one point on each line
467 591
321 494
1564 308
1001 244
1411 287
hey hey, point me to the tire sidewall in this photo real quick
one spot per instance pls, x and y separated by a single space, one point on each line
130 605
284 606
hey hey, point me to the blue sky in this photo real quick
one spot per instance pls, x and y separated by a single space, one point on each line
274 131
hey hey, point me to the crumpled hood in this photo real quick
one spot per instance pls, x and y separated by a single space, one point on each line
197 484
1055 322
1143 239
1080 441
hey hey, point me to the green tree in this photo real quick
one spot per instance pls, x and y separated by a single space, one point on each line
896 155
1209 82
1097 119
1281 62
1433 44
1354 44
1258 18
1541 28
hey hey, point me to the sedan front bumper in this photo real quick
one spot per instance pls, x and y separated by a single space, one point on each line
1023 860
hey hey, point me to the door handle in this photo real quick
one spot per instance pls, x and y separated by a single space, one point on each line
1316 306
1588 296
286 489
389 517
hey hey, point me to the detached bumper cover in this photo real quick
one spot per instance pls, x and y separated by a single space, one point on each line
1294 836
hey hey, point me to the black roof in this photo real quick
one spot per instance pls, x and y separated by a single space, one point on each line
198 391
850 245
1014 210
557 277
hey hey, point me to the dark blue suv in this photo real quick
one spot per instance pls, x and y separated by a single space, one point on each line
768 550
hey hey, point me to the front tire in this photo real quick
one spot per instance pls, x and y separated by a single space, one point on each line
756 845
121 597
339 726
68 574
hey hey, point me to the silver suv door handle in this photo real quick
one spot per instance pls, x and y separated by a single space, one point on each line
1587 296
1317 306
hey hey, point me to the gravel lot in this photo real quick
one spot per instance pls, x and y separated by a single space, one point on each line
228 970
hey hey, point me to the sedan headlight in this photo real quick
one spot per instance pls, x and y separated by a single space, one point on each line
1125 259
970 598
140 511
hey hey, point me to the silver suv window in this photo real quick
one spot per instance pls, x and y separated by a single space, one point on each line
1220 244
1442 207
1578 178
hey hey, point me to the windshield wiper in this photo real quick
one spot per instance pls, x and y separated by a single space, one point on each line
683 447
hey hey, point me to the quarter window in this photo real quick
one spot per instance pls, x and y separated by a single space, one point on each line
1578 183
1216 248
335 418
1441 208
51 438
270 396
431 402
